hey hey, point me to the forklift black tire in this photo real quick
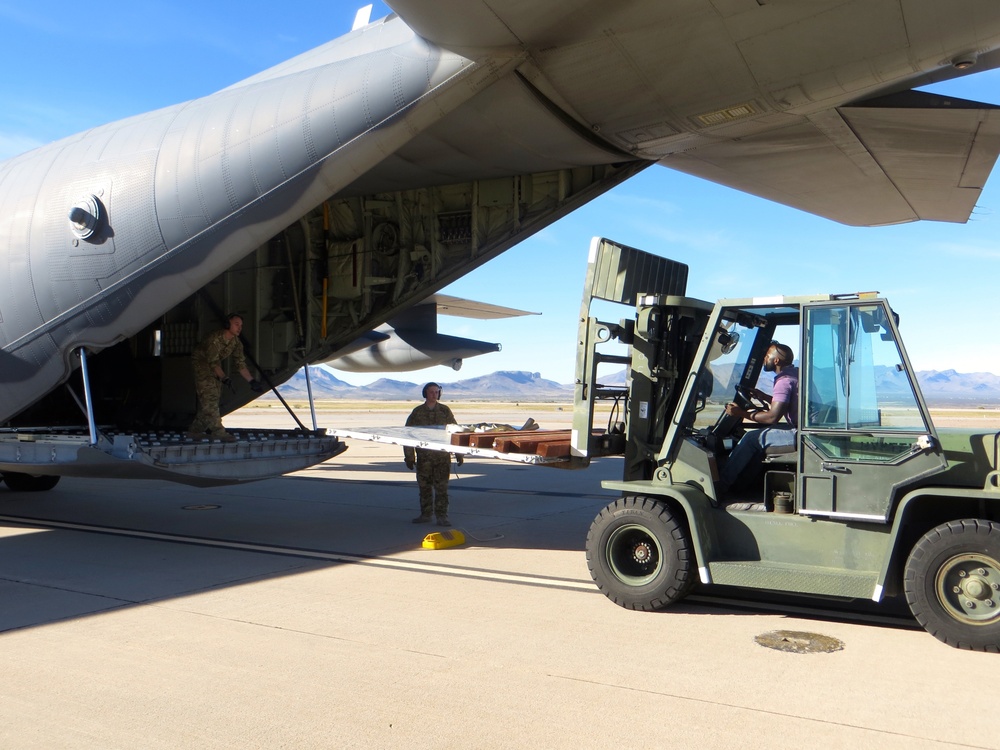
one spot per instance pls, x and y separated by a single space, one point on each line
952 584
639 554
18 482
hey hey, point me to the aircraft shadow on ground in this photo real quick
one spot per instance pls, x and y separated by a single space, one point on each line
54 575
51 574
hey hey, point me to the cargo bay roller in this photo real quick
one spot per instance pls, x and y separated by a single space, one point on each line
331 193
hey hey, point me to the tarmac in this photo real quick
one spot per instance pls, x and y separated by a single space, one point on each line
303 612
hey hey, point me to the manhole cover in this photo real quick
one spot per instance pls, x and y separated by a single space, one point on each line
201 507
799 642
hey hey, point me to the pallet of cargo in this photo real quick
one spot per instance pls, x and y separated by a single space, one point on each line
522 443
485 439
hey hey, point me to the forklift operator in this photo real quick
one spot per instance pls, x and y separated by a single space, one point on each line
782 405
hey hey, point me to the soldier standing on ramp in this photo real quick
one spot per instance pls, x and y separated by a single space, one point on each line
209 377
433 467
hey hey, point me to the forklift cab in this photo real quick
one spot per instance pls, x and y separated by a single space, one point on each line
864 432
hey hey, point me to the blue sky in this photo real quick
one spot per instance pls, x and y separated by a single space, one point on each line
71 67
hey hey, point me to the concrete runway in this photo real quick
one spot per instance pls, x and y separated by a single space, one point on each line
302 612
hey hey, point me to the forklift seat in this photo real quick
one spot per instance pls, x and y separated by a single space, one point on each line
781 454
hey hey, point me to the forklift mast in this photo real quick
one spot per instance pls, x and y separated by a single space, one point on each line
656 346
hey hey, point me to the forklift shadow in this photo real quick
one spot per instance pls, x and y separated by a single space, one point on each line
726 600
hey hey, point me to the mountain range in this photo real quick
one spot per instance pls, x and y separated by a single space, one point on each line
947 387
505 385
940 388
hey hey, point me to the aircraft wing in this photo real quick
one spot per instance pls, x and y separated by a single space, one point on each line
467 308
886 161
731 110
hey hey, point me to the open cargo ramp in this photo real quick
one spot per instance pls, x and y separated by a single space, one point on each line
255 454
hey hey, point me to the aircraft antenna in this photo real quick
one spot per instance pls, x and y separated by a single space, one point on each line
362 17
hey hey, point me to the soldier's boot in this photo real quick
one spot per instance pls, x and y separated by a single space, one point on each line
426 496
425 515
426 510
221 434
441 509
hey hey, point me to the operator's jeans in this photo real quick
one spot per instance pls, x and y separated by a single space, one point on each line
751 449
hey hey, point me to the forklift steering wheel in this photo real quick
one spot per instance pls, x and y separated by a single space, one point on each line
754 397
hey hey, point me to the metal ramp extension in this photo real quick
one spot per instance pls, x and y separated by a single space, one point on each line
255 455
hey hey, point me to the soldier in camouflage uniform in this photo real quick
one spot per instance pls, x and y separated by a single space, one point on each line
209 377
433 467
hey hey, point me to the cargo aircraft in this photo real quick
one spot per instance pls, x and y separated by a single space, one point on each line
331 193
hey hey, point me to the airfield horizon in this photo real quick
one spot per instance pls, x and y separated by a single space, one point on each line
549 414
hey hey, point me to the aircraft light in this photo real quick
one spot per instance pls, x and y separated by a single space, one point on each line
964 62
84 216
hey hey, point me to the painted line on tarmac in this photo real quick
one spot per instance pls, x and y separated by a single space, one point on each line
804 608
607 497
313 554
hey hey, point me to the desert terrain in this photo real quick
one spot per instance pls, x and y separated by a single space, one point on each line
344 414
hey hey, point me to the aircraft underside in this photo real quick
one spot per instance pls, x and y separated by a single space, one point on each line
337 272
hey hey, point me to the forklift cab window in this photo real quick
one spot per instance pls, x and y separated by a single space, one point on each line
736 358
857 377
721 373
